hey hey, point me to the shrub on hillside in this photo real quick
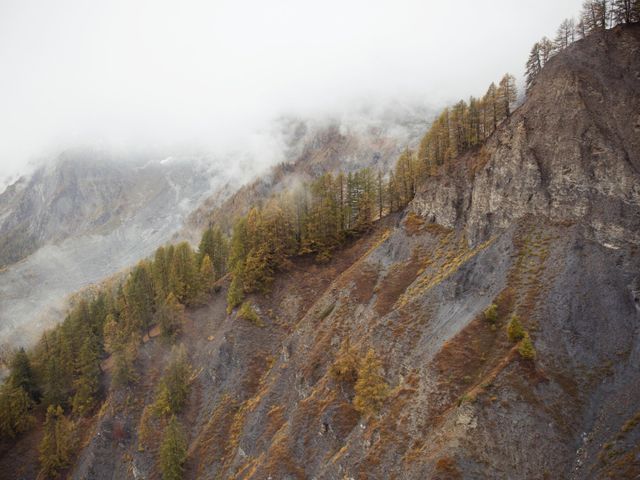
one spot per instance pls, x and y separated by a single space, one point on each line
371 388
491 314
515 331
247 312
235 295
526 349
345 367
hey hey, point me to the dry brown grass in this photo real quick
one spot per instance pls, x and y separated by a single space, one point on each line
413 224
447 469
395 283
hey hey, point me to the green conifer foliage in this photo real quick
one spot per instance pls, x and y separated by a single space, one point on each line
183 274
173 451
171 316
174 386
526 349
15 410
22 374
87 381
515 331
57 445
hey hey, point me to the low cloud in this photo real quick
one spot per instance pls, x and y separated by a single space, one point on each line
211 74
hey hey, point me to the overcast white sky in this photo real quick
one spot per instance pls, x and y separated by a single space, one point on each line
138 72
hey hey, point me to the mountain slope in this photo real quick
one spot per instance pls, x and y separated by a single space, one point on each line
542 222
315 147
82 218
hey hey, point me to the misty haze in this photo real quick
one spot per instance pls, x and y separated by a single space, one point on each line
341 240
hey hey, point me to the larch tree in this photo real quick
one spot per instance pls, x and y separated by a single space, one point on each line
139 297
15 410
21 374
171 316
566 34
87 381
534 65
625 11
183 275
174 385
173 451
160 274
595 15
371 389
207 275
547 50
57 442
507 94
491 99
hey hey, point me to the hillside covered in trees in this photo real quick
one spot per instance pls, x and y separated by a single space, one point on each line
443 318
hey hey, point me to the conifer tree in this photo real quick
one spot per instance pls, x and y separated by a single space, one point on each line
160 274
220 253
491 100
625 11
566 34
173 451
124 372
139 297
57 443
183 276
534 65
15 410
171 316
547 50
507 94
515 331
87 381
205 248
207 275
235 294
214 245
371 389
58 369
22 376
174 386
595 15
526 349
112 334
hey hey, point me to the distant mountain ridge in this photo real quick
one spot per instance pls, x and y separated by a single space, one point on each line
82 217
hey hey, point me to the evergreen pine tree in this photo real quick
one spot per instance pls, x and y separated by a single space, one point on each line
526 349
21 374
112 334
171 316
566 34
15 410
160 274
183 275
139 296
124 372
534 65
515 331
174 386
87 381
173 451
57 443
507 94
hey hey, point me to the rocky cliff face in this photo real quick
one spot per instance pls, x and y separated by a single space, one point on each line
569 154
